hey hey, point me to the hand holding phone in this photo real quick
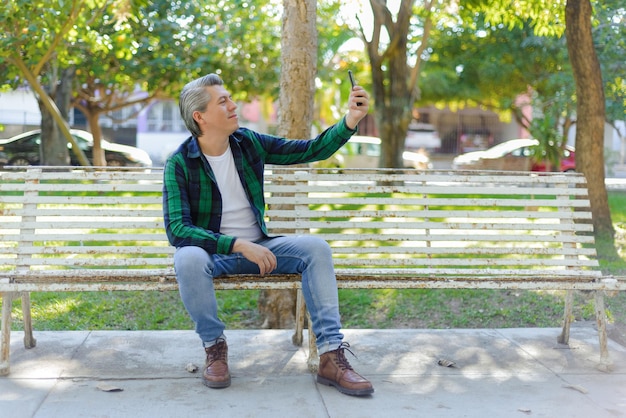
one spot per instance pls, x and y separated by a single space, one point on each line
352 82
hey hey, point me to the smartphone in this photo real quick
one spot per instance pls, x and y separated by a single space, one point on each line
352 82
351 78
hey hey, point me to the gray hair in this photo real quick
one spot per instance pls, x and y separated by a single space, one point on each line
194 97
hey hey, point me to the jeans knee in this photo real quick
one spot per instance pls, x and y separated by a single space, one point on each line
191 261
317 246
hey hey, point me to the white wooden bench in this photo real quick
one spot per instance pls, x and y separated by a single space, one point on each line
72 229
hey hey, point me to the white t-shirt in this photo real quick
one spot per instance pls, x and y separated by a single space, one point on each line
238 219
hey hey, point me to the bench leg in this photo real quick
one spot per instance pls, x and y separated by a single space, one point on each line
5 343
298 338
29 340
567 317
313 363
300 315
605 361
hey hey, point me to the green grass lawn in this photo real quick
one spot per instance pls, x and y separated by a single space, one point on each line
381 308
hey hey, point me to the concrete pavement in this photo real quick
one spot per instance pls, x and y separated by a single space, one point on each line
498 373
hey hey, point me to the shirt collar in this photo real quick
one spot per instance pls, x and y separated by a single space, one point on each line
193 148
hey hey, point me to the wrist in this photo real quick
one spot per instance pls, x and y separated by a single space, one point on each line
350 123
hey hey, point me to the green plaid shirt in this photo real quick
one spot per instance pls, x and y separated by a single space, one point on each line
192 203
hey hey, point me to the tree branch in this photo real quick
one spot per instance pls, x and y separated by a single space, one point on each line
65 28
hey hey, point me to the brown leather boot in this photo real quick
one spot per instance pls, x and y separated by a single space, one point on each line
216 373
335 371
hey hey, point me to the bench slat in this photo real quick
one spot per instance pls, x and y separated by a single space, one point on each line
53 238
304 213
416 228
450 189
342 283
413 250
156 275
75 262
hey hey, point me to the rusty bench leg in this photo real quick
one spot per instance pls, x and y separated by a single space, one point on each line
567 317
300 315
5 344
29 340
298 338
605 361
313 362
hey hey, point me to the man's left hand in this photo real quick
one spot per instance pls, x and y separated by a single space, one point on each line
358 106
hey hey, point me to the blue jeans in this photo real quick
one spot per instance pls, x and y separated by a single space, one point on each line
307 255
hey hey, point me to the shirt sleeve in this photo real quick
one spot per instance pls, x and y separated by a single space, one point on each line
294 151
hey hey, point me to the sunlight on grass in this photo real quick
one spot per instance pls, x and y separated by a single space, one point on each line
55 307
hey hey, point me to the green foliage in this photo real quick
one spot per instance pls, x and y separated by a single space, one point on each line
546 16
610 42
545 128
159 46
493 56
493 65
32 31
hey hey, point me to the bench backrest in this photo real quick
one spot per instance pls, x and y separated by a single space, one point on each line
435 223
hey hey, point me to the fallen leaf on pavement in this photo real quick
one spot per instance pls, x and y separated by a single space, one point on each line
109 388
446 363
191 368
576 387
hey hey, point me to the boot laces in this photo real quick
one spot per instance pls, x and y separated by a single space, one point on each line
340 358
217 351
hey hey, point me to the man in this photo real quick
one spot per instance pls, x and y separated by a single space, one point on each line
213 206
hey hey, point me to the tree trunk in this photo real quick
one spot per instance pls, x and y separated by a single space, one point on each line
54 150
297 92
591 117
394 82
53 147
298 69
98 157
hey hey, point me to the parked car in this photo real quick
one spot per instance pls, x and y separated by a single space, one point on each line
568 161
24 149
364 152
516 154
422 136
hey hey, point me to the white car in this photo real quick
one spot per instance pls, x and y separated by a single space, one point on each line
24 149
364 152
422 136
509 155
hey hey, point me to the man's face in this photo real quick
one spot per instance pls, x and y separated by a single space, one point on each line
220 116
